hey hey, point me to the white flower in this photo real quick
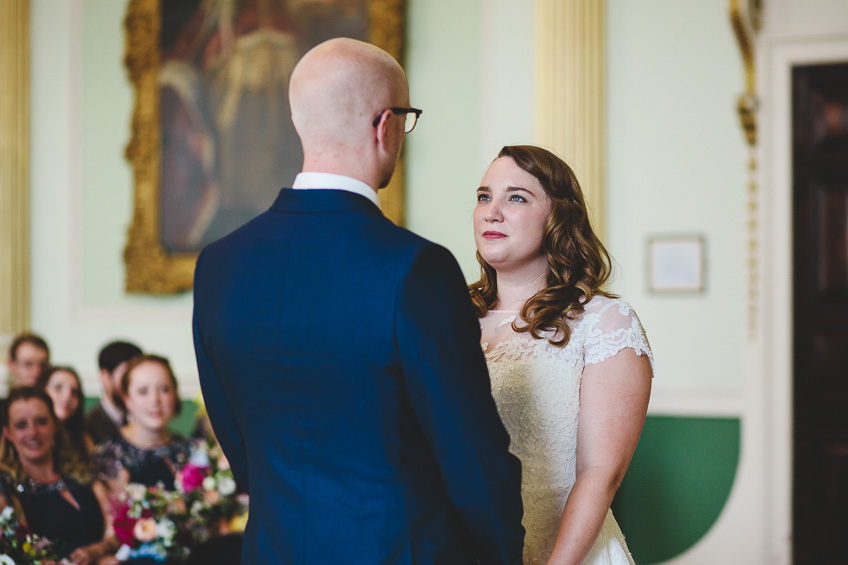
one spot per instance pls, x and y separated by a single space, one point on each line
5 559
123 553
209 483
165 529
136 491
226 486
199 457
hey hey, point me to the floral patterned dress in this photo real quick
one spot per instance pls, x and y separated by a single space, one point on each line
145 466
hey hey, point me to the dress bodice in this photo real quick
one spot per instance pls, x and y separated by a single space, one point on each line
51 515
536 386
145 466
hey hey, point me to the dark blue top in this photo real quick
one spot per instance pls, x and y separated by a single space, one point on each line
50 515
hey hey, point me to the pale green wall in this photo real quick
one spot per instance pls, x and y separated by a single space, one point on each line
471 70
675 164
81 195
107 104
676 157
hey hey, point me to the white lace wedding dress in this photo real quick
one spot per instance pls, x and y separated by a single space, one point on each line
537 390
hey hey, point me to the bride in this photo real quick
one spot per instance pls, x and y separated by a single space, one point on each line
570 365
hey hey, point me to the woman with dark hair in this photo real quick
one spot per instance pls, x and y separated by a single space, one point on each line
47 479
146 451
570 365
64 387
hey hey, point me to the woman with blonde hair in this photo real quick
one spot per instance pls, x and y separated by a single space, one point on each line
570 365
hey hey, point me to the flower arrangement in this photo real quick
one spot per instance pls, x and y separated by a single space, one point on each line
146 523
19 546
210 492
161 524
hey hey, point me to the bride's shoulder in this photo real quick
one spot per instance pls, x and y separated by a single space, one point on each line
600 303
609 312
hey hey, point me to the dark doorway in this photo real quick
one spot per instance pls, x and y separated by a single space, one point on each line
820 276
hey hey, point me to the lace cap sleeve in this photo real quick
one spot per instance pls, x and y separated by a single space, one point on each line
615 327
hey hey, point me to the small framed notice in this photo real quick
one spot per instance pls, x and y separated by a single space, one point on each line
676 263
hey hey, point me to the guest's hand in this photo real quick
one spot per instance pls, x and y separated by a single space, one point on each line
93 554
83 556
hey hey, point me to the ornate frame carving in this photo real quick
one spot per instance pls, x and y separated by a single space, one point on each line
150 268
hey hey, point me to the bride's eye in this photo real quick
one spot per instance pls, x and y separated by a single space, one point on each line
483 197
517 198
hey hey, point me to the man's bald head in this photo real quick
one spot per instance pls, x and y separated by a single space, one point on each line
339 87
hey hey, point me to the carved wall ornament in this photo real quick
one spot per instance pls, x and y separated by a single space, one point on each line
746 19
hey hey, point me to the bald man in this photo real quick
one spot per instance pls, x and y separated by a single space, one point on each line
339 356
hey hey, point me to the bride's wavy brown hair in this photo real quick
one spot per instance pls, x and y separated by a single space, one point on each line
578 263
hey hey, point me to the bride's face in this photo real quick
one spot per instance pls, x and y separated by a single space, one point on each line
509 220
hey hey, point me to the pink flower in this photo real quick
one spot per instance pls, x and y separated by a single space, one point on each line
124 525
145 530
191 477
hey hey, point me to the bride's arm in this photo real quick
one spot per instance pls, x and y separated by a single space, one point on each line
613 403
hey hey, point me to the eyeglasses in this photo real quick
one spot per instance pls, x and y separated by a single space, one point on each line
411 117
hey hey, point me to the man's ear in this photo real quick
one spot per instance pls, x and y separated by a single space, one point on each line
383 129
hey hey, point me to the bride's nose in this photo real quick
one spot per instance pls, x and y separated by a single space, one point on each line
493 213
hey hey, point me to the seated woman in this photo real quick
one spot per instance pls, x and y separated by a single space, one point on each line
146 451
41 474
64 387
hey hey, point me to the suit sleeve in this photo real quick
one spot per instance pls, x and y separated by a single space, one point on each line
445 373
218 408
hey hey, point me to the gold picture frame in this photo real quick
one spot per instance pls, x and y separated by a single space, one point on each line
151 266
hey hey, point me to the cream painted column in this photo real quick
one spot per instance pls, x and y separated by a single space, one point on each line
14 168
570 37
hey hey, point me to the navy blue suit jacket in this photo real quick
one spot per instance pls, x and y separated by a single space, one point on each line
342 372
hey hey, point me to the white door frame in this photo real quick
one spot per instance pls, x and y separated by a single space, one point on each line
770 353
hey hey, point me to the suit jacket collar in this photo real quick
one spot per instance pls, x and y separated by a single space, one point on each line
305 201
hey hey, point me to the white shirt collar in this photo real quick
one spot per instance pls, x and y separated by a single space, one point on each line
312 181
115 414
